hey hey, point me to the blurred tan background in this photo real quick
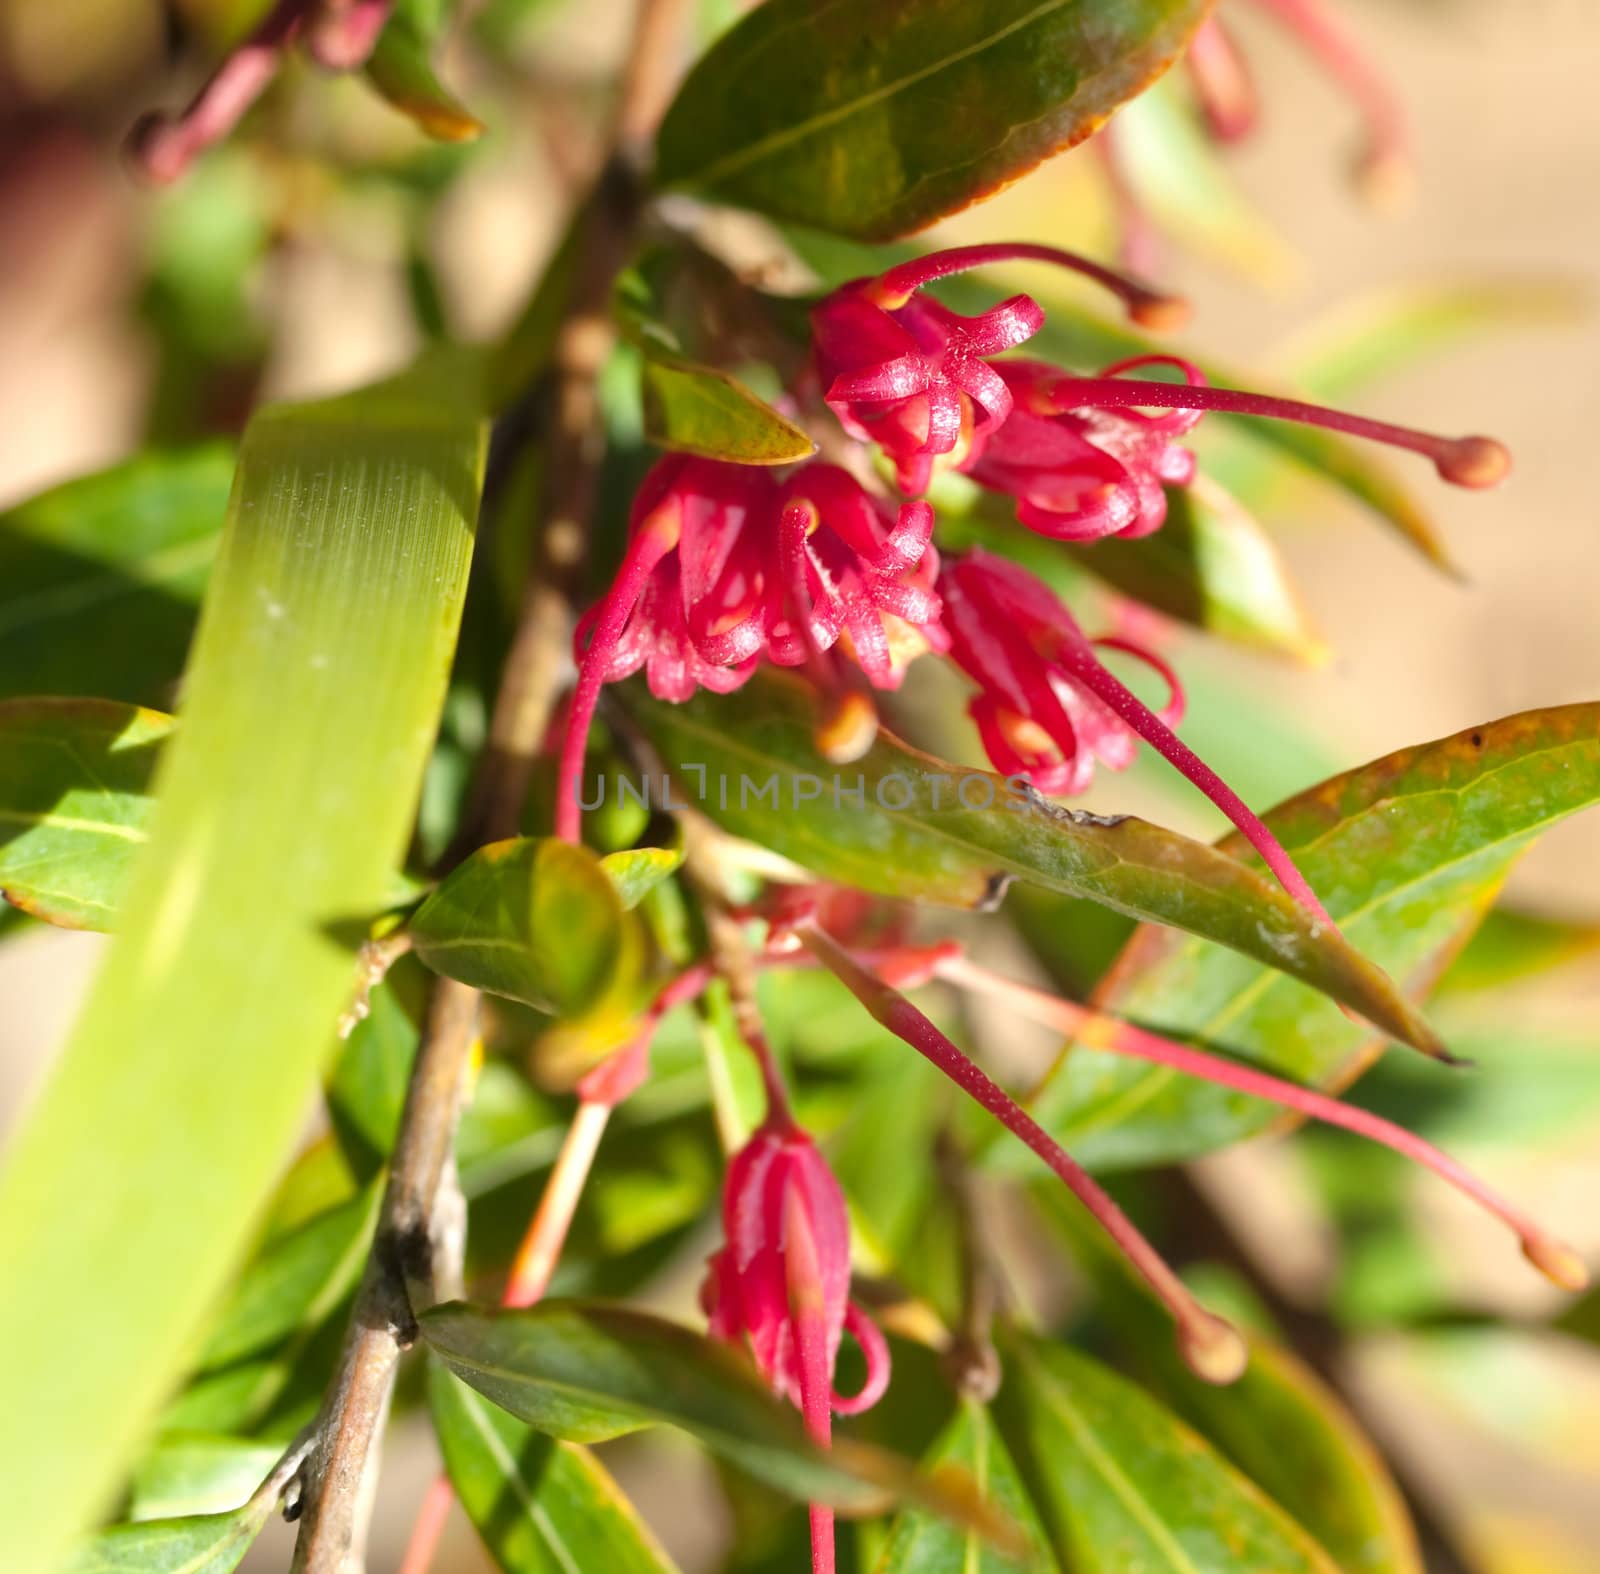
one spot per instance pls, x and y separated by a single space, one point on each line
1506 114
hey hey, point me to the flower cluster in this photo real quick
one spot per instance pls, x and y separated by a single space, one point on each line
727 565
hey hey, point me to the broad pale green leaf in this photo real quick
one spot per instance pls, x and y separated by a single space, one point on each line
932 831
297 1281
874 120
401 68
207 1544
919 1543
637 871
100 577
284 803
1123 1484
700 410
1408 853
188 1473
74 804
585 1371
542 1507
533 919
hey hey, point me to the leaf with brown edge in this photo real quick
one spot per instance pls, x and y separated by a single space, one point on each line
1408 853
872 118
928 830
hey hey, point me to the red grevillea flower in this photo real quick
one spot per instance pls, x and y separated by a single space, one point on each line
905 372
1047 708
781 1284
1088 471
726 564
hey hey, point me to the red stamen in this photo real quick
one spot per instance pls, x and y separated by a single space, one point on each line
1149 307
1463 461
1222 83
1213 1348
657 535
1078 660
1097 1031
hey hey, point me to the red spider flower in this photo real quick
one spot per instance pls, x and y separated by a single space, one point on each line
1047 708
1083 463
725 564
782 1284
1084 472
905 372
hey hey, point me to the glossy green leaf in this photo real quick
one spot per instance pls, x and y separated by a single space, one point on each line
533 919
637 871
297 1281
100 577
873 121
542 1507
401 68
919 1543
74 804
283 805
1123 1484
188 1473
700 410
583 1372
1408 853
914 836
208 1544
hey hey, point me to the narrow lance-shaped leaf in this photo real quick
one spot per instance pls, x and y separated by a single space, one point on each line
283 807
873 120
700 410
920 1543
541 1507
206 1544
1124 1484
74 804
584 1371
1408 853
401 68
903 824
1279 1423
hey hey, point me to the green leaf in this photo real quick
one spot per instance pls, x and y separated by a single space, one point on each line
188 1473
1408 853
584 1372
283 805
1512 945
873 121
74 804
700 410
542 1507
296 1282
921 1544
637 871
913 836
401 68
533 919
100 577
210 1544
1124 1484
1279 1423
